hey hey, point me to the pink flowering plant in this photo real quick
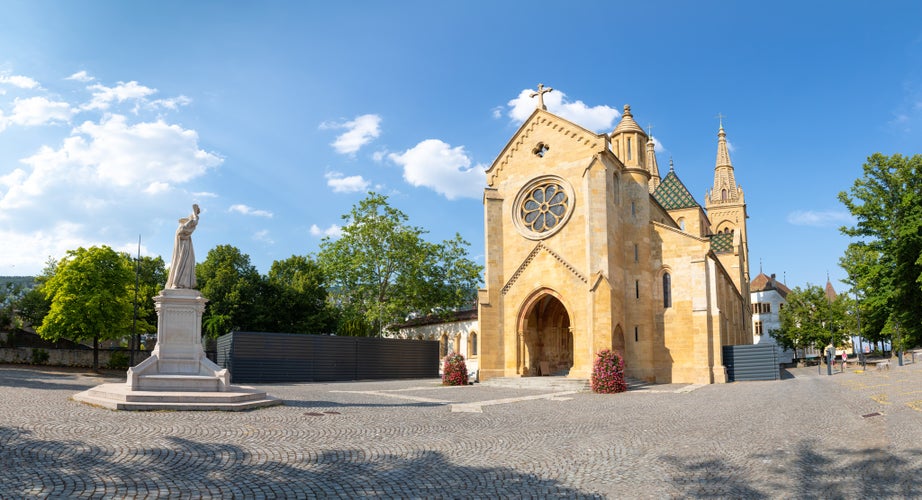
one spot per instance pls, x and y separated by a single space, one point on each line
608 372
454 370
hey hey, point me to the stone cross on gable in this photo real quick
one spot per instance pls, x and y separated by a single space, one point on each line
540 93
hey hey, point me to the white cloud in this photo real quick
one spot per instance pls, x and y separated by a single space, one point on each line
172 103
24 252
39 110
247 210
657 145
351 184
820 218
157 187
263 236
80 76
436 165
112 154
23 82
598 118
359 132
98 181
104 96
333 231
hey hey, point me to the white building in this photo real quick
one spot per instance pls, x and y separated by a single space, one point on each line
768 298
456 334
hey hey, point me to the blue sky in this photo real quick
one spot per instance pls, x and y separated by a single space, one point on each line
277 117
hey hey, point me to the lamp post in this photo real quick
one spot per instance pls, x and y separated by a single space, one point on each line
134 344
899 344
861 357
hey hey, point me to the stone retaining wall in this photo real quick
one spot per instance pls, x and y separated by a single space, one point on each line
63 357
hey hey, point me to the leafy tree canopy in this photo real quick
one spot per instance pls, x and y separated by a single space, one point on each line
294 299
381 269
810 319
885 263
89 297
231 284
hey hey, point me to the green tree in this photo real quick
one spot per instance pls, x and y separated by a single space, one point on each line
232 286
886 261
810 319
150 277
34 305
294 299
89 297
10 294
381 269
866 279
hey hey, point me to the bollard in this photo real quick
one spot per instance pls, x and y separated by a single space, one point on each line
830 353
899 359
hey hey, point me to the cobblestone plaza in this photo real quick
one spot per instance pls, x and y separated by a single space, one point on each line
851 435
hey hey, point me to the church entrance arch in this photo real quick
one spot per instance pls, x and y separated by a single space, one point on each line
545 339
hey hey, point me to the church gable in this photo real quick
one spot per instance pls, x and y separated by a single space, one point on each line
545 135
541 250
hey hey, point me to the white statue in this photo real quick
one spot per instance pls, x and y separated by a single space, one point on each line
182 268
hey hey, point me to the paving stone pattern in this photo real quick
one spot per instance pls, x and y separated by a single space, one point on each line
807 436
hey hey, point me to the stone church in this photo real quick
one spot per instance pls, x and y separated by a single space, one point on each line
588 247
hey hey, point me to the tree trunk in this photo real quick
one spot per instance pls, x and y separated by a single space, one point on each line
96 353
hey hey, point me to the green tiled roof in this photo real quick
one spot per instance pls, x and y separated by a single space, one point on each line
672 194
722 242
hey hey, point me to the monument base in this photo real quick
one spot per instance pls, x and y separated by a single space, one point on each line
177 375
121 397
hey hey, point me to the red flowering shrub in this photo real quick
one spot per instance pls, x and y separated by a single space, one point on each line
608 372
454 371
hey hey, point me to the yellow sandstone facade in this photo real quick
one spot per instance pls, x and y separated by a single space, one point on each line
588 247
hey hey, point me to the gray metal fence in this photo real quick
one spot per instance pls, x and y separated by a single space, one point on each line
751 362
283 357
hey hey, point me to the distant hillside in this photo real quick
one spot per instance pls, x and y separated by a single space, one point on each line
24 281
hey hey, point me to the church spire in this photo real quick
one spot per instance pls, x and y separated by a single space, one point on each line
725 189
651 162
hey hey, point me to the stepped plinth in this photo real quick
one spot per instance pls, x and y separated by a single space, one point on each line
177 375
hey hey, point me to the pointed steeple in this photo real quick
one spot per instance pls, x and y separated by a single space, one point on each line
830 291
725 189
652 166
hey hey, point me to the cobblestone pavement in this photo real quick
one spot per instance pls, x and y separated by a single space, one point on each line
808 435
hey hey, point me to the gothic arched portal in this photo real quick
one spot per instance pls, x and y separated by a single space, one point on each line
545 339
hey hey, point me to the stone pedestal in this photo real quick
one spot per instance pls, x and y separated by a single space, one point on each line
177 375
178 362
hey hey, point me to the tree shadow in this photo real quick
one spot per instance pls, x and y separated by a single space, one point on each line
186 468
34 378
308 403
805 472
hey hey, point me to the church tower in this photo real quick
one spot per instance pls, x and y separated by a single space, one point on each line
726 209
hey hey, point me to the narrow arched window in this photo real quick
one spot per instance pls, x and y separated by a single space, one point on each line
667 290
723 195
473 341
443 345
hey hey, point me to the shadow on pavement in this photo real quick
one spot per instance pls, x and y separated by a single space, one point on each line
186 468
805 472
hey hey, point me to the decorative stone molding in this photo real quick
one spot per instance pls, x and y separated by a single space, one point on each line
531 256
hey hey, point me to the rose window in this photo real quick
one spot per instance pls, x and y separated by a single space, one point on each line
544 207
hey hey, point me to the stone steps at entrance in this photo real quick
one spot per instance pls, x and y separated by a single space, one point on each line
558 383
546 383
